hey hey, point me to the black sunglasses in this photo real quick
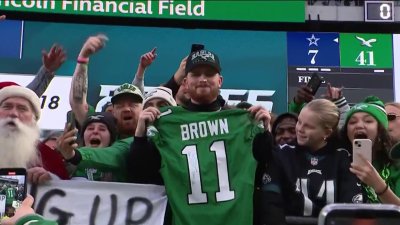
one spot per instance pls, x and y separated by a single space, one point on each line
392 117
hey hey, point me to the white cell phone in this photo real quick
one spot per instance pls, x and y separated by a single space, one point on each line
364 148
359 214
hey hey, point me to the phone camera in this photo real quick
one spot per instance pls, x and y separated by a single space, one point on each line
358 145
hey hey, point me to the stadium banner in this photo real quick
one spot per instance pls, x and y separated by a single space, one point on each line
256 11
101 203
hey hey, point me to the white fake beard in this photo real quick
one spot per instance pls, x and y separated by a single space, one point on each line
18 145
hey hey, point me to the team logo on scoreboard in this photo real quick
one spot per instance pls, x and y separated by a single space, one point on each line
365 42
313 40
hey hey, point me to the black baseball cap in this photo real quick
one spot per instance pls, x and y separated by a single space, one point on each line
202 57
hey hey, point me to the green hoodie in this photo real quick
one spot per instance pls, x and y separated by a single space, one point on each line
105 164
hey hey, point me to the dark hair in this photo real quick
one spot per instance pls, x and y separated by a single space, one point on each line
280 118
381 147
243 105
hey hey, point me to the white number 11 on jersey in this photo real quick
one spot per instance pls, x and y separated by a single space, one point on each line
197 195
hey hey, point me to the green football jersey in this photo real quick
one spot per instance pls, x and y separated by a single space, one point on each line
10 195
207 164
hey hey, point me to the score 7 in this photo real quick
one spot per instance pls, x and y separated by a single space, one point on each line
314 52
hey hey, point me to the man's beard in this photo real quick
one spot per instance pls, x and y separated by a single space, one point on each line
18 144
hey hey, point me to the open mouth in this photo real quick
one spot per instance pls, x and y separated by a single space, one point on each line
360 135
95 142
127 117
11 124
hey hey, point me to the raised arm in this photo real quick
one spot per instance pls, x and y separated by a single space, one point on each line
145 61
335 94
79 84
52 61
303 96
177 79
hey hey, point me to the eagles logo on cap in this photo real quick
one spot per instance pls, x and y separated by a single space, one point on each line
127 89
202 57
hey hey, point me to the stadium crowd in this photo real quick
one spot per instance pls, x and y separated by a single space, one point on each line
240 163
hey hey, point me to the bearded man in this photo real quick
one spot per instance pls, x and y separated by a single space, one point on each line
19 132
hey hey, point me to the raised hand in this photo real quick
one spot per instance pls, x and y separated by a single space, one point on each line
147 116
66 144
53 59
262 115
2 17
333 93
92 45
148 58
304 95
180 72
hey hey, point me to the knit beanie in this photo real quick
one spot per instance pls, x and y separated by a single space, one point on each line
105 118
373 106
163 93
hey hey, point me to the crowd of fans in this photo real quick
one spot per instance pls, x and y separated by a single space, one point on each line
244 166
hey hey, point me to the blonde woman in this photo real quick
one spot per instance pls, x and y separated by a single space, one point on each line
312 173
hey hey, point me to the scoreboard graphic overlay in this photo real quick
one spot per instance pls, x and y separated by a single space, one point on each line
361 63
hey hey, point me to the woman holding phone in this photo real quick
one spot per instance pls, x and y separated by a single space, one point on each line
381 177
312 173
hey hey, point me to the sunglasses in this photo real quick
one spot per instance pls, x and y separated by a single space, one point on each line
392 117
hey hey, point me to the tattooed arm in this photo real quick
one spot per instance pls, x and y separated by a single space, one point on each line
79 84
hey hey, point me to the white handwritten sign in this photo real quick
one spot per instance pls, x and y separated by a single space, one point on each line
90 202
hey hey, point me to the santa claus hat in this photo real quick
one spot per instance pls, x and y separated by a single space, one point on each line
7 83
11 89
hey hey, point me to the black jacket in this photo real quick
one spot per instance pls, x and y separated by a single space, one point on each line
300 183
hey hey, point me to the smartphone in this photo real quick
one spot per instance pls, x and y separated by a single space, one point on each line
71 120
314 83
359 214
12 190
196 47
362 147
